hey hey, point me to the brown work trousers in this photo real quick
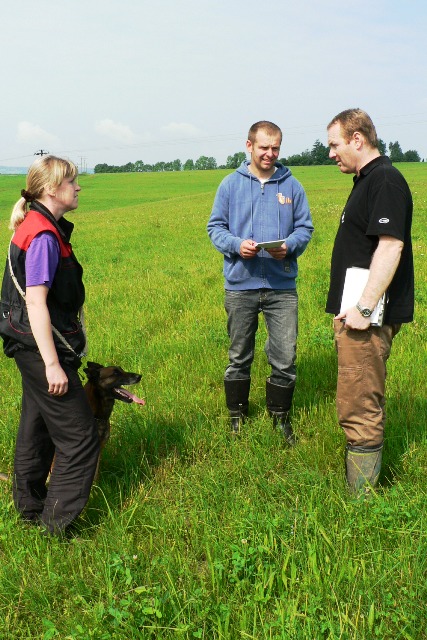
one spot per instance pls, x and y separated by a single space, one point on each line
362 360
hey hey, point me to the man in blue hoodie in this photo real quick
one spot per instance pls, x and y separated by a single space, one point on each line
261 202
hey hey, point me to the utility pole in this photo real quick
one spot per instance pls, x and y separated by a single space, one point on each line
41 153
83 165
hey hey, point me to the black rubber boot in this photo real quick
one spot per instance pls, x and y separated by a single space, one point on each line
363 466
279 403
237 399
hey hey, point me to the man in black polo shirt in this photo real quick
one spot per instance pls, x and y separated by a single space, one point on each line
375 234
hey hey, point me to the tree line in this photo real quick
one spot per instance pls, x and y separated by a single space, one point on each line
319 154
176 165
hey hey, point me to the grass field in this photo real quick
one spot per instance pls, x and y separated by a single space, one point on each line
188 535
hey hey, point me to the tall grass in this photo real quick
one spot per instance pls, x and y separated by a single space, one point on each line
190 535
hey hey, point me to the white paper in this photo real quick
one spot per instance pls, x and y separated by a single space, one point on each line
355 282
271 244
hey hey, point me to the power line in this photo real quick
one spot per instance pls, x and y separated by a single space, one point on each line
288 131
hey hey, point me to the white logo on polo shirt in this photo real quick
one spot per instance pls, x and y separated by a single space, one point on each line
383 220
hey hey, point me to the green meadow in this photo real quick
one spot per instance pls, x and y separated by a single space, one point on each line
188 534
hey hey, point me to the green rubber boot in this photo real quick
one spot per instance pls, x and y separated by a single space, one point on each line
363 466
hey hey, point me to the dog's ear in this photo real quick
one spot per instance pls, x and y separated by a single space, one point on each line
92 370
94 365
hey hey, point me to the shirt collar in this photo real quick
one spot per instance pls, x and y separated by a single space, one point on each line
367 168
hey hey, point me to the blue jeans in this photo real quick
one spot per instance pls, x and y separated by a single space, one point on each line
280 309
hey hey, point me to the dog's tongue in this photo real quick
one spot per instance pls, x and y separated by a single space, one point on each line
135 398
131 396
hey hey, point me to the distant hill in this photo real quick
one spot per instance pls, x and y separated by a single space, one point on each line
13 170
24 170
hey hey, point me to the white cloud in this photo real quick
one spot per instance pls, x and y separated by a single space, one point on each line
30 133
116 131
203 109
181 130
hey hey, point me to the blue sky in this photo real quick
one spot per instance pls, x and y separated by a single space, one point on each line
109 81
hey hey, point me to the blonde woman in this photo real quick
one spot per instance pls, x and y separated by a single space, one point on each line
42 295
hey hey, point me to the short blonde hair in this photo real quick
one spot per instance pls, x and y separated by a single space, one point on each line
265 125
46 171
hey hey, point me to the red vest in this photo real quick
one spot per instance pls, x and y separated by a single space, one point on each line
64 299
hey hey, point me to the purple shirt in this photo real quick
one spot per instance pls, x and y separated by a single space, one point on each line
42 259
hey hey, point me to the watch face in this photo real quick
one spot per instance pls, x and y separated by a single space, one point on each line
366 313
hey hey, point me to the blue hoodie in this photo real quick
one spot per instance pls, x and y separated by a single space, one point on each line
244 209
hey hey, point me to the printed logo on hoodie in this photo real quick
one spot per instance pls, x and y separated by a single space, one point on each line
283 199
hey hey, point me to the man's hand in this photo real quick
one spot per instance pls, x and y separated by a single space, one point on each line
248 249
278 253
354 320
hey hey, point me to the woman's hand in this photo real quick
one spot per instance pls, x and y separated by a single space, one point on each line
56 379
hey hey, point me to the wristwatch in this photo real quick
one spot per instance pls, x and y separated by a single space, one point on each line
366 313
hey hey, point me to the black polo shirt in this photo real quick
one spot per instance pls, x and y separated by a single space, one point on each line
380 204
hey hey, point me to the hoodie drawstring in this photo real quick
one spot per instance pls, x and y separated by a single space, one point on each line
252 210
251 178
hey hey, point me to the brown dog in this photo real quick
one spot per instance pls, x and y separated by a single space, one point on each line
103 387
